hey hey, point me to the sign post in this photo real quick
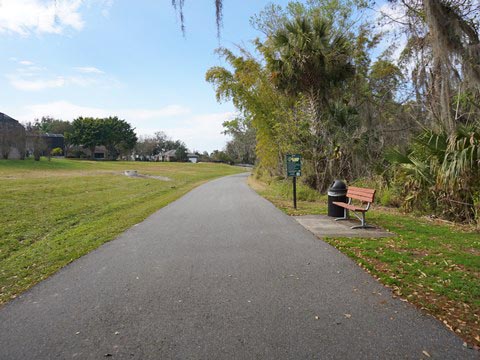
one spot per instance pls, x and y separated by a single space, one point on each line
294 169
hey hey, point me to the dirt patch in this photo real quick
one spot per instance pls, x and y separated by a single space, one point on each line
472 251
134 174
255 184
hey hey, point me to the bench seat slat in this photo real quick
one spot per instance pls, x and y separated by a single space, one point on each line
354 194
362 190
364 198
365 195
349 207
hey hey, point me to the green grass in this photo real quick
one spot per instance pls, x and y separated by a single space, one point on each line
280 193
434 265
55 211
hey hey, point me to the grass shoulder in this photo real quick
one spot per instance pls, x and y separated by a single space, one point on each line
54 212
432 264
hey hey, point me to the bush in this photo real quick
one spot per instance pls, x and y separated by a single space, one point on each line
56 152
387 193
77 154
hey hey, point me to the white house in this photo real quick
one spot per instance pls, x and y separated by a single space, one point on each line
193 158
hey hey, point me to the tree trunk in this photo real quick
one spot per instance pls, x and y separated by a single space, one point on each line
318 158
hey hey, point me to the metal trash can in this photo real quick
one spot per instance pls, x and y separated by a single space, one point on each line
336 192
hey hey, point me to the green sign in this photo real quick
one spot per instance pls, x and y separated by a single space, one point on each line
294 165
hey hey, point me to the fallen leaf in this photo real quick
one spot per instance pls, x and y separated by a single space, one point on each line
426 353
348 316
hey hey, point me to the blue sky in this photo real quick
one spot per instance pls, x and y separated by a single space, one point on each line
119 57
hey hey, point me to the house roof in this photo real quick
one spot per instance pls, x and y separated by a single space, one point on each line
6 118
170 152
192 155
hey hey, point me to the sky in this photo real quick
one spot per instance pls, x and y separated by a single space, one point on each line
70 58
120 57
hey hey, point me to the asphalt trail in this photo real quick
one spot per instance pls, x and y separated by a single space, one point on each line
219 274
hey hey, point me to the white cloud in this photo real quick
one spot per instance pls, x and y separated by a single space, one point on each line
107 6
147 114
202 132
30 77
26 17
38 16
82 81
26 81
35 85
88 70
199 132
29 71
26 63
68 111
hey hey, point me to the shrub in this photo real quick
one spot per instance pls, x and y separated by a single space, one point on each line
56 152
440 171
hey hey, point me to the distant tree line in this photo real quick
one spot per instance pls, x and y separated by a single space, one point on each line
115 134
148 146
151 146
119 139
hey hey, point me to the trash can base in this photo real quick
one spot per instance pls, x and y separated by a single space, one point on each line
337 193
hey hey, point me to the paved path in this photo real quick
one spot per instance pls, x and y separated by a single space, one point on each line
218 274
324 226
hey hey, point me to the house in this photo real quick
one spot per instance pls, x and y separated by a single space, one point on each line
44 143
100 152
78 151
193 158
169 155
12 138
54 140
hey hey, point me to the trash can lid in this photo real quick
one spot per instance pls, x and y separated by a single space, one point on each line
338 185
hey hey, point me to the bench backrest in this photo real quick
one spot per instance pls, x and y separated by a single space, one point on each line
362 194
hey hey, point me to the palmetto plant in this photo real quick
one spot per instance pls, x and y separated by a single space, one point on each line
461 164
441 172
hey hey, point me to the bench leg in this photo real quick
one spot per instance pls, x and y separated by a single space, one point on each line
345 215
363 225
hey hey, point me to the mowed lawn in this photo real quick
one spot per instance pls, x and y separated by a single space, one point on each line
430 263
53 212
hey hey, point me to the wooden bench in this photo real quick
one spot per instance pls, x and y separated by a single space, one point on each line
365 197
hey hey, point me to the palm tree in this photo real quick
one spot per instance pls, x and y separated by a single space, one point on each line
307 57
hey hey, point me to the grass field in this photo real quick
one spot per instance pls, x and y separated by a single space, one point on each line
434 265
53 212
